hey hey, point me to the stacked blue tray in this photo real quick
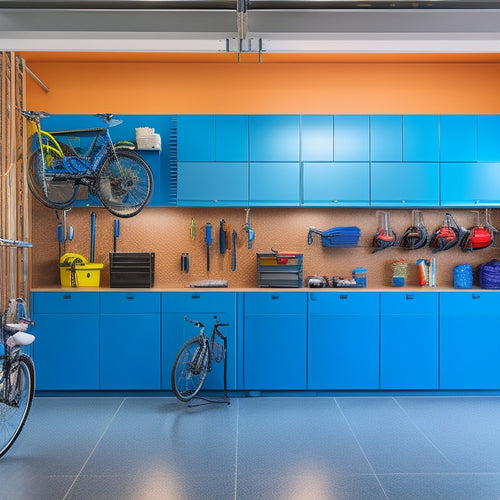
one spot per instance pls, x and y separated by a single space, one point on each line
343 236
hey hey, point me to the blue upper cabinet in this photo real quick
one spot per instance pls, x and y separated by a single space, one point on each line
316 138
274 184
386 138
336 184
470 184
274 138
196 138
212 184
458 138
351 138
420 138
405 184
488 134
231 138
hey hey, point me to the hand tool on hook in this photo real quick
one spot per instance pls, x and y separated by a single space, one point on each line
233 263
192 229
222 236
248 228
208 240
116 234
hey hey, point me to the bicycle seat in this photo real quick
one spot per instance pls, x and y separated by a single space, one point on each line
33 115
109 120
21 339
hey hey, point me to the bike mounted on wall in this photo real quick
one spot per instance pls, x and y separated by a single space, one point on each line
120 178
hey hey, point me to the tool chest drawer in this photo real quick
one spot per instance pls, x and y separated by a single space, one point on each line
333 302
130 302
65 302
209 302
409 302
275 303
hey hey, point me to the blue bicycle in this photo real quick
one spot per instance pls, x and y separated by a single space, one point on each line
120 178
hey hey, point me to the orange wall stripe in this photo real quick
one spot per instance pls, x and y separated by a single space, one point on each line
267 88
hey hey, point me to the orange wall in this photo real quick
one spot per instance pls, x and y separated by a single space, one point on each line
362 84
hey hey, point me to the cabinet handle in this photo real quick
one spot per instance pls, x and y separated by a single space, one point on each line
410 296
343 296
476 296
129 297
67 297
195 296
275 297
312 296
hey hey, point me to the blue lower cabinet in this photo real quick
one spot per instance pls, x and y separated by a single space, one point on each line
275 341
409 340
343 340
130 352
469 340
130 340
66 351
175 331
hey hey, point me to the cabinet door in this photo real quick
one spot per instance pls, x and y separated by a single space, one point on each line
420 138
386 138
458 138
274 138
274 184
340 356
176 331
316 138
405 184
469 340
130 351
212 184
488 132
409 340
351 138
196 138
336 184
66 351
231 138
470 184
343 340
275 341
275 348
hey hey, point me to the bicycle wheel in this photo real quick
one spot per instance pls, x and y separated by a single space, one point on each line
58 194
190 368
14 415
124 183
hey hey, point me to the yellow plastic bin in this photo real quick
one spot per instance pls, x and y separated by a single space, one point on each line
76 271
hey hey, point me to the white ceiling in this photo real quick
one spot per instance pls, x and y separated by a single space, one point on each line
250 26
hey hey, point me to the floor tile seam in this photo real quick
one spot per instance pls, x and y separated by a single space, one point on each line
420 430
236 450
94 448
360 447
463 473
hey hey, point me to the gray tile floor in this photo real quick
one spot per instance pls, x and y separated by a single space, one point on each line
433 447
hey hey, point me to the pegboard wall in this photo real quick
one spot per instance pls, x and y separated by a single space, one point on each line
166 231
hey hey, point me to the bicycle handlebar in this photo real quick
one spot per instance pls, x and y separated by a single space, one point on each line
195 323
